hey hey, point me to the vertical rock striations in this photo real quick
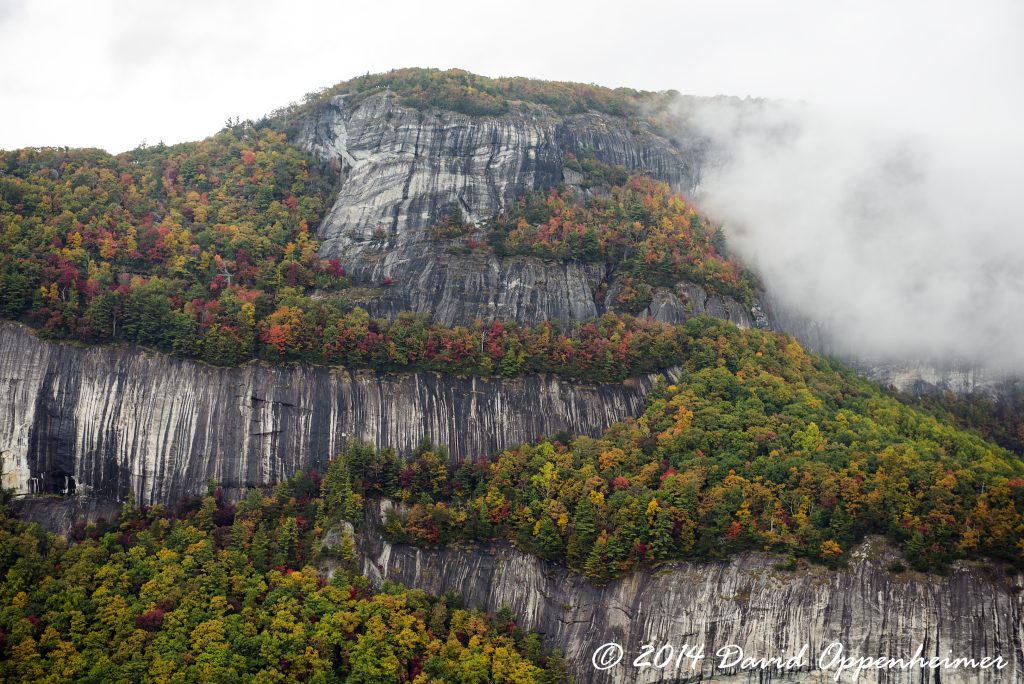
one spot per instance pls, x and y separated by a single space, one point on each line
745 601
401 169
114 420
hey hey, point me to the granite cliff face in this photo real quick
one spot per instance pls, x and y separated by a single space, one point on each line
109 421
922 378
401 168
746 601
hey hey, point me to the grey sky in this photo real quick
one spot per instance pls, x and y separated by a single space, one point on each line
895 215
109 73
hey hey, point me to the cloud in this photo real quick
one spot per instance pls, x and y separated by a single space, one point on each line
903 244
9 11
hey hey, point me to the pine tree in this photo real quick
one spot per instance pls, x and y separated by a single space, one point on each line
384 471
597 566
586 526
287 543
207 510
260 549
338 500
556 670
345 551
548 540
661 534
359 456
128 509
591 249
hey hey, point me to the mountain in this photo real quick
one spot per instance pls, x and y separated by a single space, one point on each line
427 258
206 251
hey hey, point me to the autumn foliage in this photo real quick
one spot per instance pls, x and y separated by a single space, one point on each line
649 235
756 445
182 248
220 592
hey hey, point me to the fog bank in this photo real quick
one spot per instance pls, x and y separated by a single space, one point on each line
905 243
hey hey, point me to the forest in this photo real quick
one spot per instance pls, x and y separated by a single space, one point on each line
229 592
649 235
997 420
756 445
204 250
182 248
461 91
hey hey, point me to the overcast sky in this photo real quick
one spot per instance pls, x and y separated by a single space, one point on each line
108 73
895 216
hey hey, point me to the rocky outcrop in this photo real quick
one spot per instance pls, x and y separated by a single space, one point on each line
458 289
922 379
529 290
114 420
402 168
686 300
63 514
746 601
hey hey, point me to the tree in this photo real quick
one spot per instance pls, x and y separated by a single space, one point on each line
585 532
660 524
548 539
338 501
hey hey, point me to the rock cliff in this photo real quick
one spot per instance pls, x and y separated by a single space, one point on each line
746 601
401 168
114 420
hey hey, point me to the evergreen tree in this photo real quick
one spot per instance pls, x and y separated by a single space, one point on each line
661 542
337 499
260 549
207 510
585 531
548 540
597 566
287 551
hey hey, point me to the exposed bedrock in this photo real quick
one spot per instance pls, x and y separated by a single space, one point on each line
402 168
745 601
114 420
456 290
62 514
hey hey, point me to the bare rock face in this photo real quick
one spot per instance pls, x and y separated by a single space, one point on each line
61 514
108 421
922 378
686 300
745 601
458 289
402 168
